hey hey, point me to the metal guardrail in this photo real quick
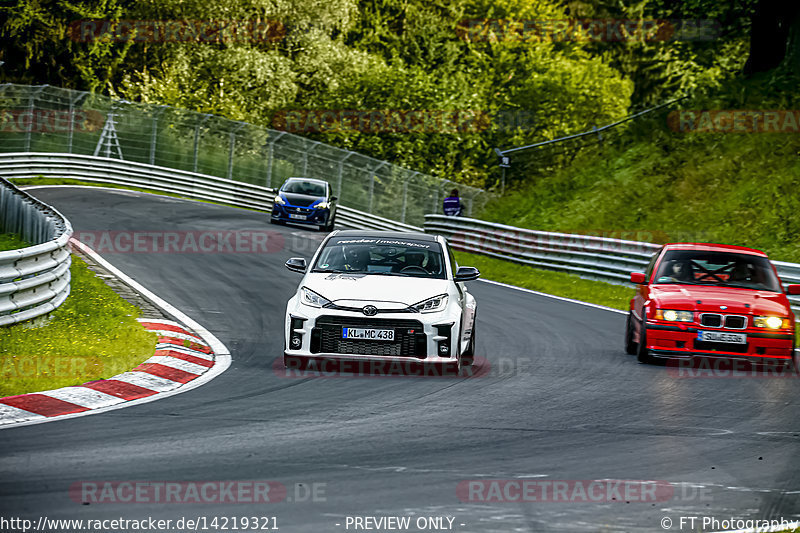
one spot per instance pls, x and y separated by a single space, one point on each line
186 184
33 280
600 258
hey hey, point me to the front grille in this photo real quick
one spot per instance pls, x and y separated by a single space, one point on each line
410 339
298 210
714 320
735 322
706 346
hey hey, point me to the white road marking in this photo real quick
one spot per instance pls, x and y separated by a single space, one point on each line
563 299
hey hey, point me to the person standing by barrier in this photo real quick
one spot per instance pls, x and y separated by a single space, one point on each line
452 204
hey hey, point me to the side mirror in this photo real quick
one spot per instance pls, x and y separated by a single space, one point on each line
334 198
638 278
467 274
793 289
296 264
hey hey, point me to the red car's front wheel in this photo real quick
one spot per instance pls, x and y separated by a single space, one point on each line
642 354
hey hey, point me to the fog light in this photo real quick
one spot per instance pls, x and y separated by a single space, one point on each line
296 342
444 349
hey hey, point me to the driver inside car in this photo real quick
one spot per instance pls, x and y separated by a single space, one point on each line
356 258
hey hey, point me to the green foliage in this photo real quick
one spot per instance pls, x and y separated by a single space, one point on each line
651 183
39 31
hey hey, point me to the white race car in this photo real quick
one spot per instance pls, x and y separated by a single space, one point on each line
381 296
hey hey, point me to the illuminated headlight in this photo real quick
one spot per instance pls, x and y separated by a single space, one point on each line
671 315
771 322
437 303
322 205
279 200
309 297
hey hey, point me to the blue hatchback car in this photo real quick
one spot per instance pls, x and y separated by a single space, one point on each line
305 201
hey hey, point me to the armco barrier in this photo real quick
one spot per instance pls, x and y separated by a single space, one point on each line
161 179
33 280
610 260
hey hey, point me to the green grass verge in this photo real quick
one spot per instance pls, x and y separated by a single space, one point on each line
550 282
10 241
92 335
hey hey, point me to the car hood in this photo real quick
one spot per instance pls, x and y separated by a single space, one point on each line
709 299
360 289
302 200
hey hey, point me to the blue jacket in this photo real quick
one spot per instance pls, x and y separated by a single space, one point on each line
452 206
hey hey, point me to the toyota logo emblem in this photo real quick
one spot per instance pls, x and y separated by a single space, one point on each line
370 310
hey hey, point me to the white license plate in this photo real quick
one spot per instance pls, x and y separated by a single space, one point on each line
719 336
299 217
368 334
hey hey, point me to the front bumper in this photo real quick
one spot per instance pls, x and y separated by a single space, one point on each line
419 337
316 217
681 341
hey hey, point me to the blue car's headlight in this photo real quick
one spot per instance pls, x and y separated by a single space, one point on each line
322 205
279 200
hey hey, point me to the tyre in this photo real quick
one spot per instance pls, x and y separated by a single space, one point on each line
642 354
631 348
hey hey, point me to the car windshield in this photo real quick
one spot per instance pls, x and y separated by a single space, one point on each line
306 187
697 267
388 257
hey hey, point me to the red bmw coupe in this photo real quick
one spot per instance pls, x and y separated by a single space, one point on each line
710 300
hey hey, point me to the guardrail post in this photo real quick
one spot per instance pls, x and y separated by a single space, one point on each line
372 184
270 157
197 139
340 173
31 106
305 157
230 149
72 104
154 134
405 197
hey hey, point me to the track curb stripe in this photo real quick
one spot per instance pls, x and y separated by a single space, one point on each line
42 404
120 389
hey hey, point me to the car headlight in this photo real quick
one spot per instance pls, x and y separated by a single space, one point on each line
322 205
671 315
279 200
437 303
309 297
771 322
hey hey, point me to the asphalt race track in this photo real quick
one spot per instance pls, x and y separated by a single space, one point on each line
559 400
